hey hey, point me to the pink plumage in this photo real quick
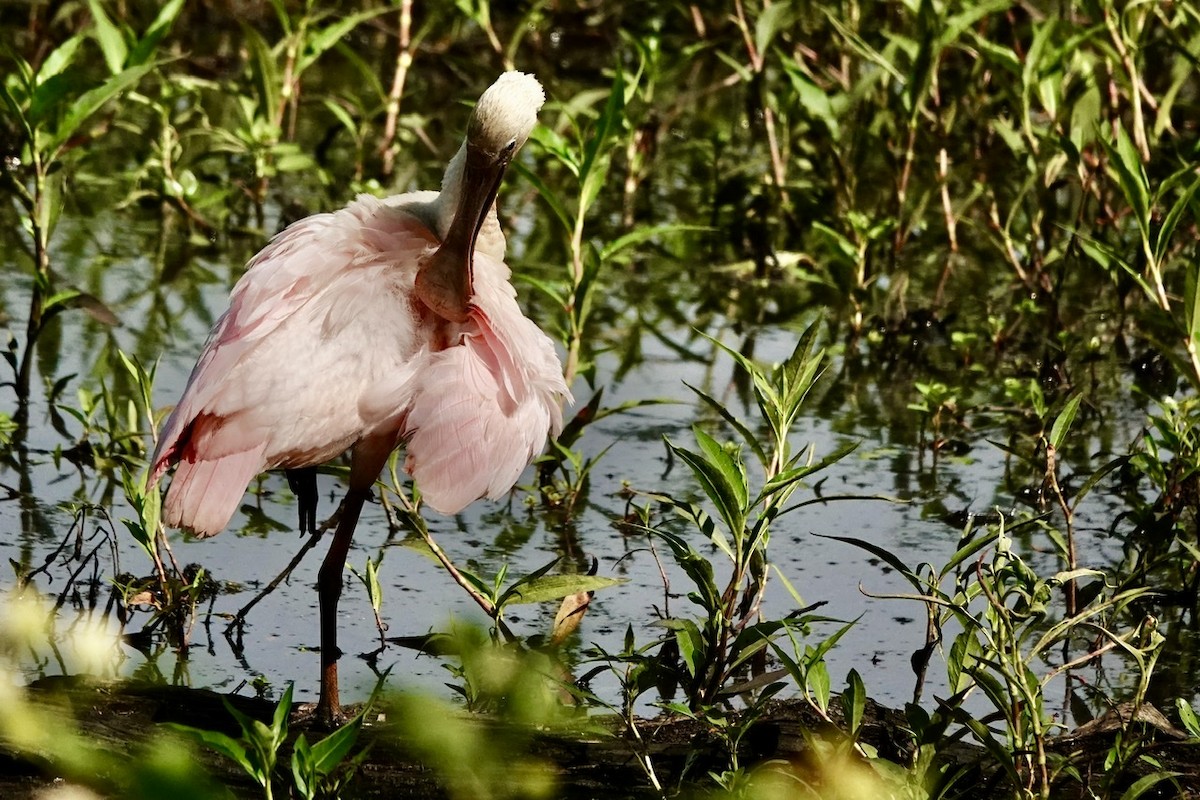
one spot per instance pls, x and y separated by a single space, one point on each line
387 322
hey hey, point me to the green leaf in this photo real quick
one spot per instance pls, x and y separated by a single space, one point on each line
342 115
999 751
374 590
302 766
317 43
109 37
854 701
1187 716
770 22
547 194
1124 161
747 435
88 104
59 59
882 554
17 112
264 73
1099 475
698 568
816 102
1166 231
610 119
790 476
225 745
148 44
645 233
730 468
553 587
1062 424
817 682
716 486
279 721
691 643
1148 782
1111 261
328 753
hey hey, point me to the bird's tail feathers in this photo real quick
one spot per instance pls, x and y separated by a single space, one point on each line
204 494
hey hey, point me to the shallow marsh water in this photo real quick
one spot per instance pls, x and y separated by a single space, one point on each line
909 515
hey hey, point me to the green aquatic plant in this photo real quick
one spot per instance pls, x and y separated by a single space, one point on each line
318 771
48 109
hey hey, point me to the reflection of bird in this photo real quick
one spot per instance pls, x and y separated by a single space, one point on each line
389 321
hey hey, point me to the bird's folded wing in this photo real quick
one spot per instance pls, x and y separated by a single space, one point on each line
295 269
483 409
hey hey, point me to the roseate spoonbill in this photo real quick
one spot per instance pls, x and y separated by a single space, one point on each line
387 322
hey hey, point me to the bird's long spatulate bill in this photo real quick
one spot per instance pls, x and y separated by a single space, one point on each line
444 281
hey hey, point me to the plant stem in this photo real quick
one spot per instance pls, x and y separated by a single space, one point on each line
404 60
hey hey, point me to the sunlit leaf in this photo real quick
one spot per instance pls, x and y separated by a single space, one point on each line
109 37
145 47
89 103
1062 423
58 59
553 587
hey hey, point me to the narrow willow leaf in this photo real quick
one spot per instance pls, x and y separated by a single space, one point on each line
279 720
610 120
59 59
1148 782
748 436
1058 432
886 556
554 587
1166 231
1125 162
854 701
319 42
264 73
772 19
548 195
1099 475
328 753
826 645
790 476
730 468
145 47
88 104
646 233
1191 300
341 114
109 37
1107 258
1187 716
698 568
715 486
225 745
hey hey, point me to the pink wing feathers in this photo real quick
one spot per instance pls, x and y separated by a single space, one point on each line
215 434
481 411
474 408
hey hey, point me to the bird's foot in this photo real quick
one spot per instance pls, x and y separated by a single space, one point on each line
303 483
310 716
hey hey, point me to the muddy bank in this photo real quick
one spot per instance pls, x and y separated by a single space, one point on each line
126 720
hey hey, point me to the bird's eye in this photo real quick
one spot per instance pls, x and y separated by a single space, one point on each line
512 145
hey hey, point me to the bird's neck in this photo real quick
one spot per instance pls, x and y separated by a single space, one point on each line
491 238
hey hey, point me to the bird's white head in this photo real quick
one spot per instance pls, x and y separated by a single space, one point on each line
506 114
465 212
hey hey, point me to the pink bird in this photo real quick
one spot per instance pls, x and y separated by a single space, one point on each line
387 322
